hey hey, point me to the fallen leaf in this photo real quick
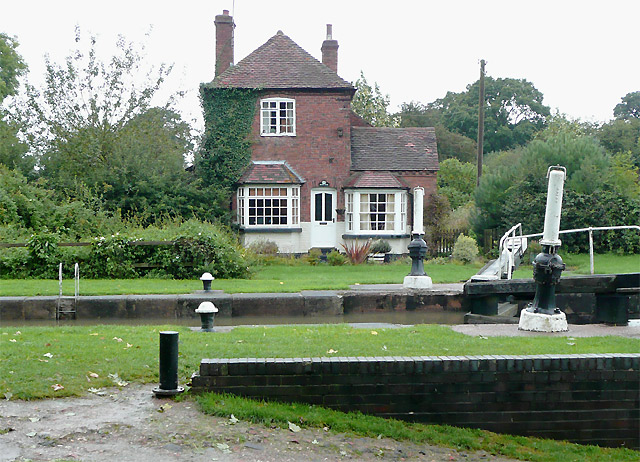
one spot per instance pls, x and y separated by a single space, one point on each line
343 453
34 419
18 333
384 347
314 442
43 360
8 395
373 332
12 340
483 337
165 407
223 447
331 351
57 387
293 427
31 434
129 345
233 419
570 343
95 333
117 339
94 375
48 355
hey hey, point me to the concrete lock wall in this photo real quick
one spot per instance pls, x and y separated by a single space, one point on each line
307 303
589 399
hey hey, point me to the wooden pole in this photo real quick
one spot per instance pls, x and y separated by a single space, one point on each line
480 121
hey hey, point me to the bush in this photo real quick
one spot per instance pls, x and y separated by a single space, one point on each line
313 257
44 255
465 249
380 246
335 258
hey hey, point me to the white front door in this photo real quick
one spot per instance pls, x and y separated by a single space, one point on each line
323 217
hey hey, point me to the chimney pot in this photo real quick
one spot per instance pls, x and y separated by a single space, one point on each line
329 32
225 12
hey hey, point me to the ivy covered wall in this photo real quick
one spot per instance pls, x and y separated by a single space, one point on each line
226 148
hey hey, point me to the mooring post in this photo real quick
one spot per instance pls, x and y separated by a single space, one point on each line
168 365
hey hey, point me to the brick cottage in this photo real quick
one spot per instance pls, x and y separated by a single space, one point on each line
319 175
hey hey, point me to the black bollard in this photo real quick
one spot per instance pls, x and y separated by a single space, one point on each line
547 268
168 365
417 252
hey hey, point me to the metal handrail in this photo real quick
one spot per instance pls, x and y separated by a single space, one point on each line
590 229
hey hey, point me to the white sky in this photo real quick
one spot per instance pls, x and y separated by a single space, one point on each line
582 55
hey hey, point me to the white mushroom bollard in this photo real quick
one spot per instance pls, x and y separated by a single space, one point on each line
207 312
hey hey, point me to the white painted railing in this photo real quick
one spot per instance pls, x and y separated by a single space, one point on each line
590 230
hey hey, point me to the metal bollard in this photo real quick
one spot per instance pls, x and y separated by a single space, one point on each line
168 365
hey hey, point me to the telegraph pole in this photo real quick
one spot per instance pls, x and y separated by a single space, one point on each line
481 121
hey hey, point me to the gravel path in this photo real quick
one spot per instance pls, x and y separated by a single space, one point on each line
131 425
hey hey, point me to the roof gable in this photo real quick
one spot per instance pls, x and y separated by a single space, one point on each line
375 180
381 148
280 64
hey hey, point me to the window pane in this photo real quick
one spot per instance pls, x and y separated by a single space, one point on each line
318 208
328 206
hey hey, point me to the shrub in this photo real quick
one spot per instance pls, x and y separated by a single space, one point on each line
44 255
465 249
380 246
357 253
313 257
335 258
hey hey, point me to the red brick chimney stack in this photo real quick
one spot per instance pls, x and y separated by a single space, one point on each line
224 41
330 50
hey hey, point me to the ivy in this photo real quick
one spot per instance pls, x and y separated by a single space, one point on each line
226 147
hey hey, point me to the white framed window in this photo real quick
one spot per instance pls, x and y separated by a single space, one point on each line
278 117
268 206
376 212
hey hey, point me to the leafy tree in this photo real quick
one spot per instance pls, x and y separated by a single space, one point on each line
513 114
11 66
94 123
370 104
629 108
457 181
450 144
516 191
12 150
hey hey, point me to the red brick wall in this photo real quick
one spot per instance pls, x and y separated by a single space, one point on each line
317 152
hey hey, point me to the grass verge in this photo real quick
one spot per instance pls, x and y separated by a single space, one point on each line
517 447
33 360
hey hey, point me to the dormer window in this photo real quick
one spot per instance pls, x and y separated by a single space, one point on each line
278 117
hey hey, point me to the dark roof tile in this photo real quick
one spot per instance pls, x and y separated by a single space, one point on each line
381 148
267 172
280 64
375 180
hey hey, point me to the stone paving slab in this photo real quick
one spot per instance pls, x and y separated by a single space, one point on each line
575 330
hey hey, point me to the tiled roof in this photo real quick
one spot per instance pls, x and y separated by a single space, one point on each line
280 64
262 172
375 180
381 148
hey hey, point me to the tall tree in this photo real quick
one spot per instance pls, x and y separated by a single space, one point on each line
94 123
370 104
12 66
629 108
514 112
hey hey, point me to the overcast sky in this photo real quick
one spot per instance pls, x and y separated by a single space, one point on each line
582 55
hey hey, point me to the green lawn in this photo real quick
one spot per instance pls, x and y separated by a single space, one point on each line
34 360
272 278
132 351
578 264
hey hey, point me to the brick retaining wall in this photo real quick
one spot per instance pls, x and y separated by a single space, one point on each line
590 399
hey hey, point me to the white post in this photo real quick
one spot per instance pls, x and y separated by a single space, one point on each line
76 277
591 251
418 210
554 207
60 279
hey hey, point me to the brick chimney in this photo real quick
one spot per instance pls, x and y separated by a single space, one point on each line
330 51
224 41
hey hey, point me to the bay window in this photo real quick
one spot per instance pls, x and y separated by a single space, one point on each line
268 206
376 212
